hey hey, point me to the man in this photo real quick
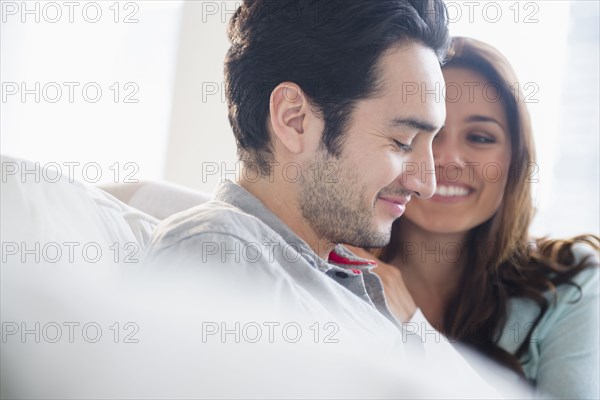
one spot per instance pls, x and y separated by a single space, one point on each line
332 148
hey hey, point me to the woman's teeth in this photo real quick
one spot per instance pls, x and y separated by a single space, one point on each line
444 190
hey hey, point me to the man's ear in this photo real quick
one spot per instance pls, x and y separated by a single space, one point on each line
289 113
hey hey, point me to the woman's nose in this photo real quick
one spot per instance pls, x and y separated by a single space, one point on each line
448 156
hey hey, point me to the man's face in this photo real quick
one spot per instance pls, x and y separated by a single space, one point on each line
386 150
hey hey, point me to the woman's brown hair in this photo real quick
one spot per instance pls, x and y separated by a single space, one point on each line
502 261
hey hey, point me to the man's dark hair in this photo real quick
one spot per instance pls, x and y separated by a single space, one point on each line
330 48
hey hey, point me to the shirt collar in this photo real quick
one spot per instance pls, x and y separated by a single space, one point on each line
234 194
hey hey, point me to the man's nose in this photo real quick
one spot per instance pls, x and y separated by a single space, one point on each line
418 175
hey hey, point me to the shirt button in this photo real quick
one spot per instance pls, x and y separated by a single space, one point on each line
341 274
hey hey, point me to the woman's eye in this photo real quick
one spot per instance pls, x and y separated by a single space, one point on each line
402 146
481 139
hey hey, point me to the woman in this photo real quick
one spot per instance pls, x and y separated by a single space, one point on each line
465 254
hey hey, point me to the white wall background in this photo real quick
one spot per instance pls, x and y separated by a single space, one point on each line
202 147
178 129
138 50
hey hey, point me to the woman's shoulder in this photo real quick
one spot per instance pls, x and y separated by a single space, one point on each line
581 294
567 325
582 250
570 298
585 284
587 279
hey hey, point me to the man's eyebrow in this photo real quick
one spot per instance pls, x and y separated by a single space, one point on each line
414 124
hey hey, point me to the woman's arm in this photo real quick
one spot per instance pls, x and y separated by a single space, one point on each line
569 338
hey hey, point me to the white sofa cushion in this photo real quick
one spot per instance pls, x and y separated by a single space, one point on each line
39 210
158 199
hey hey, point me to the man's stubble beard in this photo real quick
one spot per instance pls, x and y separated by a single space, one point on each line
335 207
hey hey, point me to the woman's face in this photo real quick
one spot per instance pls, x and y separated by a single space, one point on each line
472 156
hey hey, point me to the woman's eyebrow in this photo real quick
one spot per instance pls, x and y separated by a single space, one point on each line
483 118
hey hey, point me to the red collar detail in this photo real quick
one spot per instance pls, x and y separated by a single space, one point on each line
336 258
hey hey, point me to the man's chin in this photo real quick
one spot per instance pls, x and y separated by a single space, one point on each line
374 241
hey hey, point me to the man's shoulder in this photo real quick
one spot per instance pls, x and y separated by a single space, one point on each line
211 219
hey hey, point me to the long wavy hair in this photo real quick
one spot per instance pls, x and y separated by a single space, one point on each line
502 261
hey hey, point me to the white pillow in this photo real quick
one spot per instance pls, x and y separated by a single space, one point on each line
159 199
42 207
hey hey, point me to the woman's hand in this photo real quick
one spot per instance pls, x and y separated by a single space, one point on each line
397 296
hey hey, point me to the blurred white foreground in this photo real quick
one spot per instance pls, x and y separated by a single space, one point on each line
79 326
101 337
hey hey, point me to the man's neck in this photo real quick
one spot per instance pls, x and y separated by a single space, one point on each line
281 198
